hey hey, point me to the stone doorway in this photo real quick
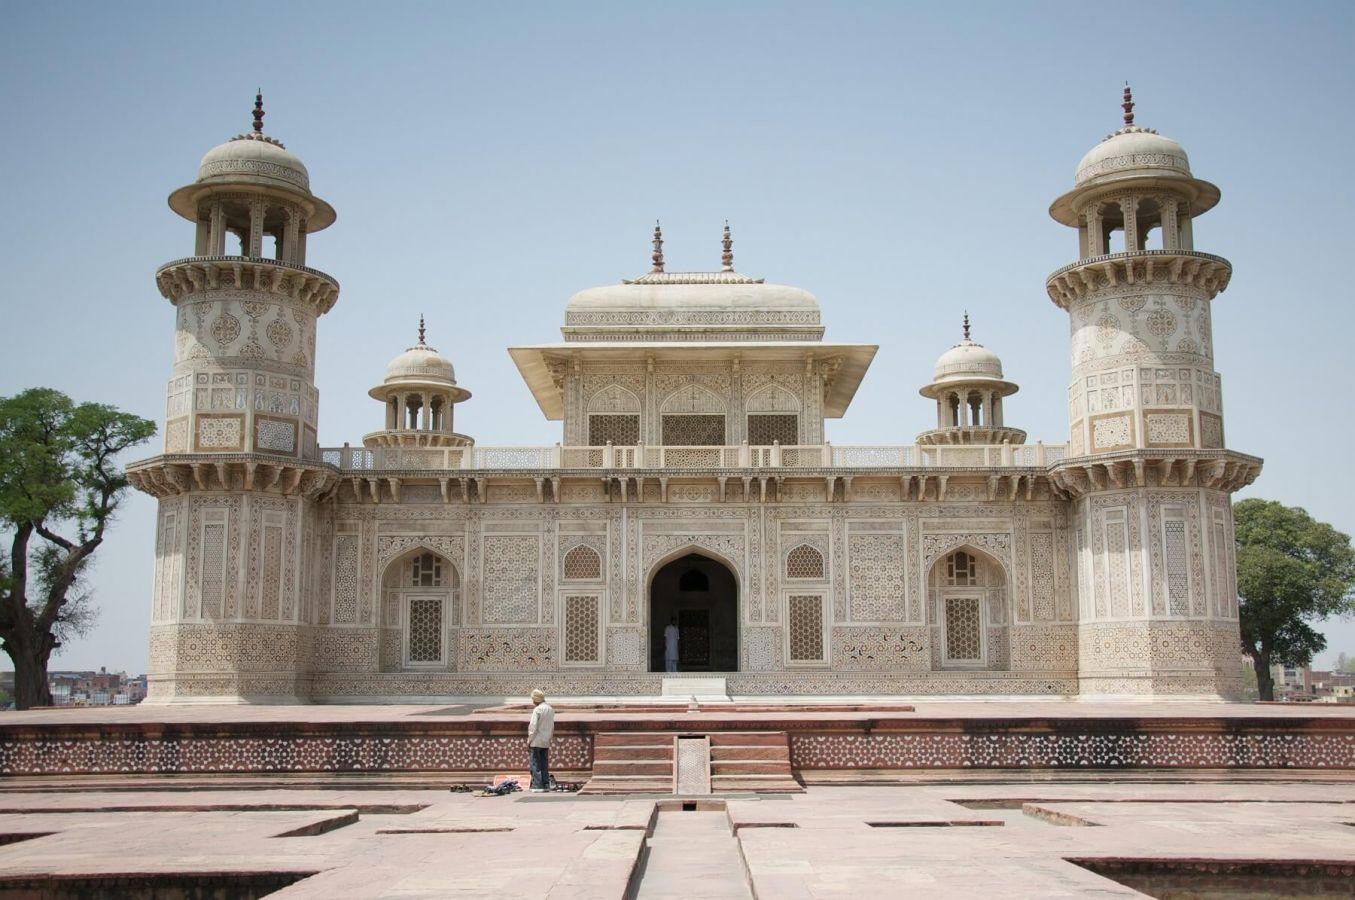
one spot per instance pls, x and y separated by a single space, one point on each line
701 595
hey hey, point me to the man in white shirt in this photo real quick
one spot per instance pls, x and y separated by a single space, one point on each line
540 730
670 646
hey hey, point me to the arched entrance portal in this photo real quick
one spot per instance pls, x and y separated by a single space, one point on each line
701 595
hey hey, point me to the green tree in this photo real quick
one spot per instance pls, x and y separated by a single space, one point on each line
60 485
1344 663
1291 571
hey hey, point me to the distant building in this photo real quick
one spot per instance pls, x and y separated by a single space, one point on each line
101 688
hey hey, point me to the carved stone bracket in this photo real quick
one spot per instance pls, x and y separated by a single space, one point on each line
183 277
165 476
1220 470
1088 276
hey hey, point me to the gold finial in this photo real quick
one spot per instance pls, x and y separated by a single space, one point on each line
658 248
727 257
258 112
421 331
966 325
1128 106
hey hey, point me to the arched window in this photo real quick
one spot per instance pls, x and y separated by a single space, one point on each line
961 569
424 570
692 416
773 417
968 611
614 417
804 562
582 564
419 601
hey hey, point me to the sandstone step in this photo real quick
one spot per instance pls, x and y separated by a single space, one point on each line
633 739
664 751
623 784
633 767
748 738
753 784
753 768
738 751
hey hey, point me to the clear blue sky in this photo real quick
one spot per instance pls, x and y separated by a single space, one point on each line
488 160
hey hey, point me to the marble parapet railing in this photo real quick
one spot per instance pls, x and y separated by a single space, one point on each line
743 456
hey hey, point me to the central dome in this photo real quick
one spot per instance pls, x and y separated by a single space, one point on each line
695 291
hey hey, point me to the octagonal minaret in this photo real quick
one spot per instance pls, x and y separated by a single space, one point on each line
1141 340
240 481
244 349
1146 467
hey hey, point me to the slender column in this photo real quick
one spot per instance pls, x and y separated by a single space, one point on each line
300 256
390 414
1170 235
216 240
1129 205
1187 233
257 208
941 411
1096 240
426 415
400 411
289 238
202 238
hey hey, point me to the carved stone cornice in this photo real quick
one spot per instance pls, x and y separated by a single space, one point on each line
1088 277
624 485
171 475
1218 470
184 277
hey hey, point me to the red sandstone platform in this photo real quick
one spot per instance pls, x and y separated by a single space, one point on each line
468 741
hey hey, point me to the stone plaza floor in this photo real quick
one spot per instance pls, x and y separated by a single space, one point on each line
1248 829
987 838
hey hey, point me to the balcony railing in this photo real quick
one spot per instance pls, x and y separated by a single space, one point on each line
741 456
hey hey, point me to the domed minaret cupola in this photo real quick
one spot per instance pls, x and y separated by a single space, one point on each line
419 391
968 389
1138 298
244 352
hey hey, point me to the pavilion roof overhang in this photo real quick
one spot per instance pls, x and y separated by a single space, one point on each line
538 363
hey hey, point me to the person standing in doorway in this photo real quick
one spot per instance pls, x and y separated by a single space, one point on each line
670 646
540 730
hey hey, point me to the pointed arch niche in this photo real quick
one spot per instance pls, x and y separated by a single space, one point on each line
693 416
420 605
773 416
699 592
968 611
613 417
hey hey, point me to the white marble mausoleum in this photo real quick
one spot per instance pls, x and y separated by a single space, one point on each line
693 482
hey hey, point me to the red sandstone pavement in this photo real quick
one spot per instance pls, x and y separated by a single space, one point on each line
956 840
923 709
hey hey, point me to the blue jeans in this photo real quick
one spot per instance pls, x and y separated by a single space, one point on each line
540 767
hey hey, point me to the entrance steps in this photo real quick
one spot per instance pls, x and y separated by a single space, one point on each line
647 762
632 762
751 761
